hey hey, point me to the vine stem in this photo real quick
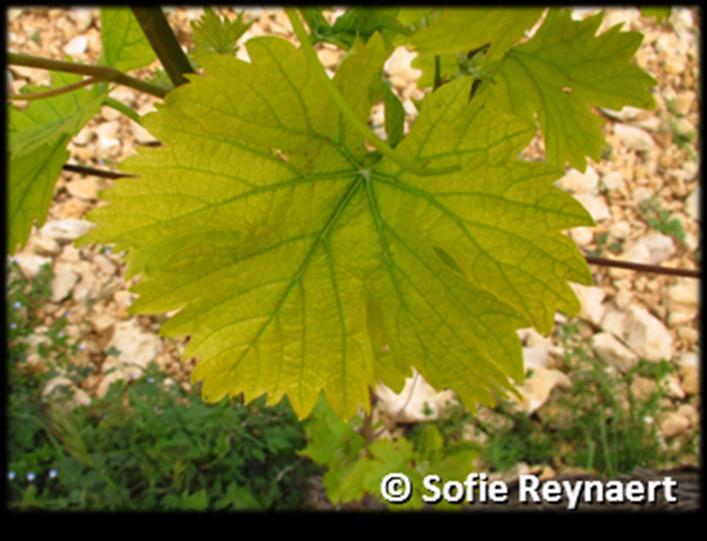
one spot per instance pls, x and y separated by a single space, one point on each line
357 123
102 73
55 91
156 28
689 273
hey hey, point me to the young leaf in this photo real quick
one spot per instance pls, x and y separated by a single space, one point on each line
31 179
212 34
266 222
457 30
564 71
364 22
38 137
125 47
42 121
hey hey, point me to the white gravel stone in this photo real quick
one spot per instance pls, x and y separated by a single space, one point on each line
685 292
689 358
673 424
660 247
399 65
63 282
84 137
82 17
582 235
591 300
535 356
596 206
647 336
107 134
537 388
613 352
641 194
692 204
680 315
66 230
44 246
614 322
417 402
137 347
77 45
634 138
620 230
30 264
613 181
83 188
578 182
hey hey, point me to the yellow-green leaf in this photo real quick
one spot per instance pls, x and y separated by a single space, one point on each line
38 137
562 73
300 263
125 46
462 30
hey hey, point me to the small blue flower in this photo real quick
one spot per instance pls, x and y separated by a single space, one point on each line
17 305
13 325
108 250
61 334
31 476
82 346
11 476
53 473
150 380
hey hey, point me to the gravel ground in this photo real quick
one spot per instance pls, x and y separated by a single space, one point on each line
651 163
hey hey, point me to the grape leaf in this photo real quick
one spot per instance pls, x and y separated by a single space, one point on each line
300 263
42 121
40 134
38 137
31 185
563 71
457 30
364 22
213 34
125 47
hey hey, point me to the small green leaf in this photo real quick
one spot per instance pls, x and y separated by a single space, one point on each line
213 34
457 31
196 501
42 121
31 185
125 46
364 22
38 137
318 25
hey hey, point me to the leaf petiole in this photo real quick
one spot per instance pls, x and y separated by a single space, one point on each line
122 108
